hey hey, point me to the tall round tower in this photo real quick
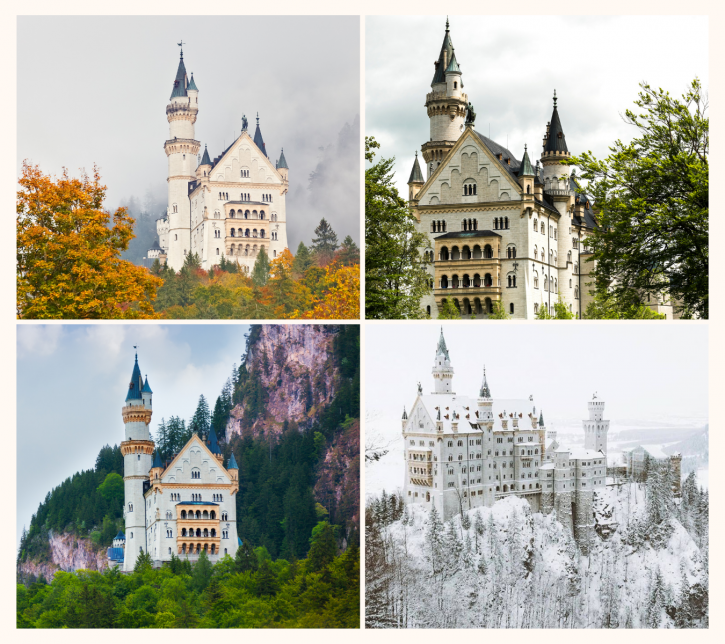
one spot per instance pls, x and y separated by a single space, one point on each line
595 427
181 150
446 104
442 368
137 452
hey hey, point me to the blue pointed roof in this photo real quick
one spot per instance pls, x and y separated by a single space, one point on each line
232 465
180 80
146 389
157 460
526 169
205 160
282 163
136 385
213 444
541 419
416 176
453 65
192 84
442 348
556 141
446 52
120 535
258 140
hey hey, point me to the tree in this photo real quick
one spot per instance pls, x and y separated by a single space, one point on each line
325 244
112 489
303 259
561 312
620 305
286 295
323 548
349 253
652 198
68 253
499 312
396 275
340 297
266 580
260 272
143 562
245 559
449 311
202 572
201 421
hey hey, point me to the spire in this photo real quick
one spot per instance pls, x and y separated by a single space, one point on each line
526 170
179 88
232 465
136 385
146 389
555 141
405 414
258 140
205 160
453 67
442 346
213 444
282 163
157 460
485 392
192 84
541 419
444 58
416 176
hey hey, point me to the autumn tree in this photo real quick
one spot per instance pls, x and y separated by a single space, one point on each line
303 259
285 294
340 298
69 252
349 253
260 272
325 243
652 197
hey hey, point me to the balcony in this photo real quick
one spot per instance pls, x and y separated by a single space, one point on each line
468 291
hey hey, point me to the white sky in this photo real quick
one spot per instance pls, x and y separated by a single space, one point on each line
94 90
511 66
641 371
72 382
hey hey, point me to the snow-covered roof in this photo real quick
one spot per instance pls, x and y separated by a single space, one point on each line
579 454
655 451
467 406
547 466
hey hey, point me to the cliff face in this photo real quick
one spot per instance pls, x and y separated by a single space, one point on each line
294 364
68 553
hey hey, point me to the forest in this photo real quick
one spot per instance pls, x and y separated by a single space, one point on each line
282 507
506 567
249 591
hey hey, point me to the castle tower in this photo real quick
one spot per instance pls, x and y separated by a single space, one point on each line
442 369
282 167
181 150
258 140
485 403
137 452
446 105
416 181
595 427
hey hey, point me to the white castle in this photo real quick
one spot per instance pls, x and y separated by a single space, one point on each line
232 206
181 507
462 453
499 229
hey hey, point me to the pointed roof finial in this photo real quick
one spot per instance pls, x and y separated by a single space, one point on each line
257 118
554 99
447 29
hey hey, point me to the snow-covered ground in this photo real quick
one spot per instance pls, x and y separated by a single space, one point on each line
703 476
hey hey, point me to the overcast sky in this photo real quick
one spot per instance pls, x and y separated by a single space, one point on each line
72 381
511 66
643 372
95 90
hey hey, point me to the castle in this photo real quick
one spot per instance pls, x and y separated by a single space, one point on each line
232 206
463 453
181 507
499 229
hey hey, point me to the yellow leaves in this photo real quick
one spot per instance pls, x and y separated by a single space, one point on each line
341 295
68 255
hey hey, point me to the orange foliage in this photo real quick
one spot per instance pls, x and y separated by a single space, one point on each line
341 298
68 258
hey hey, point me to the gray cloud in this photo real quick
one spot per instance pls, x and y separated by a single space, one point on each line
94 90
512 64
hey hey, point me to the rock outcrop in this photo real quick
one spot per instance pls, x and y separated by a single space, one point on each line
295 366
68 552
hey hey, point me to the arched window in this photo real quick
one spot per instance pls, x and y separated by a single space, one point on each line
261 214
536 280
536 225
536 309
183 514
231 214
576 292
506 219
233 232
427 309
487 252
545 283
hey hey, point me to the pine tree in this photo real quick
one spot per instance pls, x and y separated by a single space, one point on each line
266 580
325 244
260 272
201 421
434 542
303 259
349 253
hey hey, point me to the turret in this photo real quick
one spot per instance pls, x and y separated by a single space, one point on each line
282 166
214 446
233 470
526 174
446 105
416 181
595 427
204 168
181 149
156 471
556 174
258 140
442 368
404 420
485 402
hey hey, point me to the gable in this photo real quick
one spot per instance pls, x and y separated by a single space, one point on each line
244 155
469 162
195 456
419 420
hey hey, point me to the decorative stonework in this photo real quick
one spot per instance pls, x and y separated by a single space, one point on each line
136 414
137 447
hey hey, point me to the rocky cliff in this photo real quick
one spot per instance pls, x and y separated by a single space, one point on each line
294 365
67 552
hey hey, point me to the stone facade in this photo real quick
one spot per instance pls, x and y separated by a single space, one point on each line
462 453
231 206
182 507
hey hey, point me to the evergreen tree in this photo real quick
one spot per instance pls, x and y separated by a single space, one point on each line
656 602
202 572
323 548
325 243
434 542
303 259
349 253
260 272
201 421
143 562
245 559
449 311
266 580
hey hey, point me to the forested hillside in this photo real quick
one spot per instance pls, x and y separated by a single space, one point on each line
296 474
506 567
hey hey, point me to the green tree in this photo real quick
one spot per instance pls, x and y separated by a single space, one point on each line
323 547
396 276
325 243
303 259
449 311
201 421
245 559
260 272
349 253
143 562
266 580
202 572
653 203
112 489
620 305
499 312
561 312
